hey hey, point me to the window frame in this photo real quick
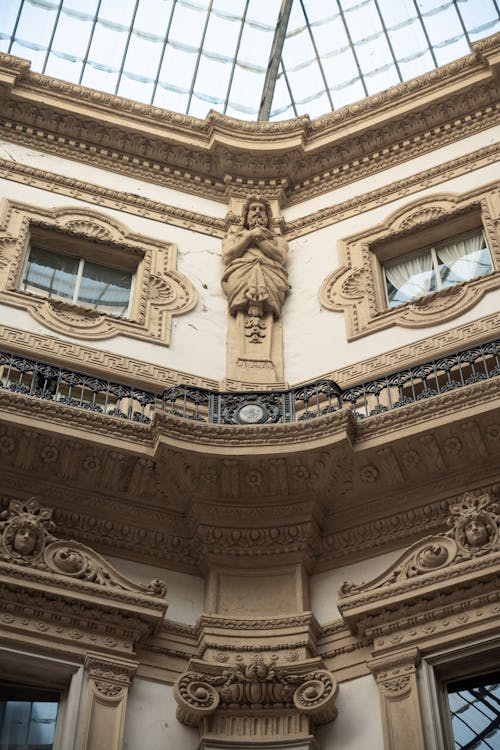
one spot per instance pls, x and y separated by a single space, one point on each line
476 658
61 675
158 290
82 259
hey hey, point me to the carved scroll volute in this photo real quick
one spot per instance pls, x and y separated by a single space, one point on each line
196 698
107 685
316 697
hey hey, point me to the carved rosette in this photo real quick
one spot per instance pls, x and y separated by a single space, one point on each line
255 686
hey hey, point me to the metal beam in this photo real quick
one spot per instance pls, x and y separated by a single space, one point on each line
274 60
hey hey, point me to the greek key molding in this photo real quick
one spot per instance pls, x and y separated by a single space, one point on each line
356 288
159 290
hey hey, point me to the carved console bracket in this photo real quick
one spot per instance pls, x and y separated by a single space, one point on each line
275 700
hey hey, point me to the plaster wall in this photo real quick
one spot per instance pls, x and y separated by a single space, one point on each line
324 586
358 725
184 592
150 722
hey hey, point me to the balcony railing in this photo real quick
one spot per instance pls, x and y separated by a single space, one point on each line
51 383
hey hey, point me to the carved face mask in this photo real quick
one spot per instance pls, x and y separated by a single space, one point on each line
256 215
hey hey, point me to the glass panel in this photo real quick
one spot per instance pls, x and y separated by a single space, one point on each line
50 274
463 258
409 278
475 712
106 289
27 725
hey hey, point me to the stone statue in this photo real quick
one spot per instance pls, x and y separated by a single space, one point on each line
255 279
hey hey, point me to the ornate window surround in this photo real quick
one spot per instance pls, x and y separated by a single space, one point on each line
357 286
159 291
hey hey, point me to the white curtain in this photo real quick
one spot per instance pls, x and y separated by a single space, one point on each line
464 259
411 277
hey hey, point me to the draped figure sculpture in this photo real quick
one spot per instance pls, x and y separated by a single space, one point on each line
255 278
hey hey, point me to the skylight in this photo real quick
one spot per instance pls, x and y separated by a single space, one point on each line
251 59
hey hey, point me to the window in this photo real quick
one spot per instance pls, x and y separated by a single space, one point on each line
27 717
437 267
78 280
475 712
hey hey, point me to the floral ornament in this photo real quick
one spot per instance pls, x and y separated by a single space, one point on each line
493 431
254 478
453 446
49 454
301 473
368 473
411 458
7 444
91 464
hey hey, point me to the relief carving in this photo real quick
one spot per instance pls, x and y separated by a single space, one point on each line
255 281
27 539
474 532
255 686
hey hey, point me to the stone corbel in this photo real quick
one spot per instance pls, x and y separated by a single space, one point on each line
397 683
256 698
107 683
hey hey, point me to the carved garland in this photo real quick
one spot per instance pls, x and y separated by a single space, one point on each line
356 287
160 291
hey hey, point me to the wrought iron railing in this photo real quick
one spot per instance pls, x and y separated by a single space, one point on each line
50 382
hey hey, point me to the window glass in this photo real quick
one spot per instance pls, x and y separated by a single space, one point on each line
27 717
475 712
107 289
448 263
77 280
50 274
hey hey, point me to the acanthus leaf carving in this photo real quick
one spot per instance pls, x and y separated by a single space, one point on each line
255 685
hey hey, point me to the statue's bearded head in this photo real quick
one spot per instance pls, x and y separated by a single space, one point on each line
257 214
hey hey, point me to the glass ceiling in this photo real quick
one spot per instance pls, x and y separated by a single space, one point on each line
251 59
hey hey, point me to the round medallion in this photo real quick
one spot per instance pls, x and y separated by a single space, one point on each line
251 414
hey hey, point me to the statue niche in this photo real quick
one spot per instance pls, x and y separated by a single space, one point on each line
255 281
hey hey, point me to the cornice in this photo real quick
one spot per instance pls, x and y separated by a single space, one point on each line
219 156
115 199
